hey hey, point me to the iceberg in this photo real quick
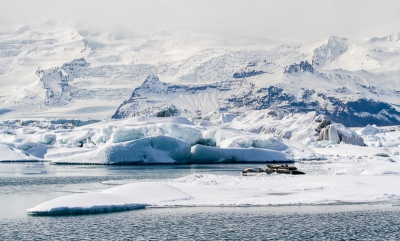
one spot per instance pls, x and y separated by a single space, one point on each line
9 154
207 154
338 133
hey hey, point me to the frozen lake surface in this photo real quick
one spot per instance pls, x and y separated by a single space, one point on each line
24 185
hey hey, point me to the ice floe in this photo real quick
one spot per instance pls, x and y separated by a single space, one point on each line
120 198
199 190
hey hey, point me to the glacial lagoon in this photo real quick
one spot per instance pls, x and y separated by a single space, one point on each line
24 185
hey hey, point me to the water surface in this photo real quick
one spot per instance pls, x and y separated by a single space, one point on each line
25 185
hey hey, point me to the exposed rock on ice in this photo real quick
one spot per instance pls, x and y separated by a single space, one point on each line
168 111
206 154
159 149
56 81
302 67
338 133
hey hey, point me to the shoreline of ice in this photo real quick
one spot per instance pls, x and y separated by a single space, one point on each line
209 190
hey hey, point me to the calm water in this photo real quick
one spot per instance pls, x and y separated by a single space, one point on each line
24 185
211 224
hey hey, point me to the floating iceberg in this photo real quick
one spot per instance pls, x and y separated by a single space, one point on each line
159 149
121 198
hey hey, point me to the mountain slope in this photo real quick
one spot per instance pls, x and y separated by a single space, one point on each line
54 69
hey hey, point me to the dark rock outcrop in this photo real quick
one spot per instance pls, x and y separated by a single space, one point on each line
302 67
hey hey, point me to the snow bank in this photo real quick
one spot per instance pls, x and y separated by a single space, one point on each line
371 130
159 149
121 198
206 154
9 154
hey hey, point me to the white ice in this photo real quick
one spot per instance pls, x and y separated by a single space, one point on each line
159 149
9 154
125 197
339 182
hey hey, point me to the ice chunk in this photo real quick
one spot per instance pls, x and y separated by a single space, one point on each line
9 154
338 133
121 198
45 138
371 130
181 132
206 154
159 149
268 141
123 133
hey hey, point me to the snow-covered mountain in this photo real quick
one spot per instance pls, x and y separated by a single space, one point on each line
54 69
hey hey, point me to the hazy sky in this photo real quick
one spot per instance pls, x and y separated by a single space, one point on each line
295 19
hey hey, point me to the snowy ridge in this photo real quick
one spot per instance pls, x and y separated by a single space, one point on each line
389 38
331 49
191 99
